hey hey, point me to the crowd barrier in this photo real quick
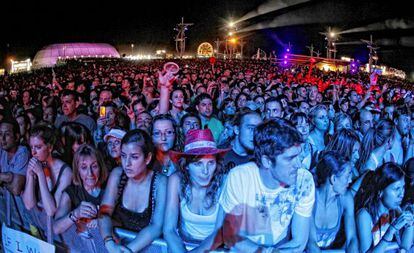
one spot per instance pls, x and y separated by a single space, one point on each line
157 246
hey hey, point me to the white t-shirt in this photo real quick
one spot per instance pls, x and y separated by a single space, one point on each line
264 215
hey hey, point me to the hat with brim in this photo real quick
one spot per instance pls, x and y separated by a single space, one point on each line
198 142
116 133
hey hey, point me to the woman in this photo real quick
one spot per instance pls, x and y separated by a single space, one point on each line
333 202
192 198
164 137
178 99
346 143
241 100
46 176
134 197
318 116
73 135
79 204
380 221
341 121
301 123
375 143
112 147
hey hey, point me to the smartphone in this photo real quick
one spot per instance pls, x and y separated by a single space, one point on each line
102 111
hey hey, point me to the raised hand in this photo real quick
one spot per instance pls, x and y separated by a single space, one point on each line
166 79
130 112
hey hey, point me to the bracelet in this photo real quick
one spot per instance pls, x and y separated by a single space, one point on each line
383 238
108 239
72 217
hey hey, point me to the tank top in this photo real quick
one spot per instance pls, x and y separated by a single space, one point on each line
196 227
129 219
326 236
77 194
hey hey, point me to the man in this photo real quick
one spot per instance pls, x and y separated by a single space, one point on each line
273 108
304 107
301 94
105 96
365 122
313 95
353 99
70 104
266 205
13 164
204 107
245 123
402 138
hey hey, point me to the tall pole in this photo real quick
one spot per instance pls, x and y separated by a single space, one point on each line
217 47
331 37
242 42
311 49
180 37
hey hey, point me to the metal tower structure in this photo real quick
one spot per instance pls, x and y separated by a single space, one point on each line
331 37
373 57
180 37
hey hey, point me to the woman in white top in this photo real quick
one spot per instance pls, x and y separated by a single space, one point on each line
192 205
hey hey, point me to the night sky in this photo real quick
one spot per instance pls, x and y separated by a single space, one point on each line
30 26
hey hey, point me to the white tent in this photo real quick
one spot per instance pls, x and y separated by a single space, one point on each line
49 55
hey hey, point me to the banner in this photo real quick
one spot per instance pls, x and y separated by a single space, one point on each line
15 242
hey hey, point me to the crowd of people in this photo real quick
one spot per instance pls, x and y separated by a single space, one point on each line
240 156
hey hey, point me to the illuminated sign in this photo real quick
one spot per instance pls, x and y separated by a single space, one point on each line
20 66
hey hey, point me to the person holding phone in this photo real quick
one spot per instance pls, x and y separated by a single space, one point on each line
107 120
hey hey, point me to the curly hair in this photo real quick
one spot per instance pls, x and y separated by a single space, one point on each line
212 193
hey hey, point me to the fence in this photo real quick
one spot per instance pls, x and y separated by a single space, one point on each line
157 246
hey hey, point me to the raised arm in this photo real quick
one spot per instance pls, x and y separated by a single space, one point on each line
172 212
165 83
